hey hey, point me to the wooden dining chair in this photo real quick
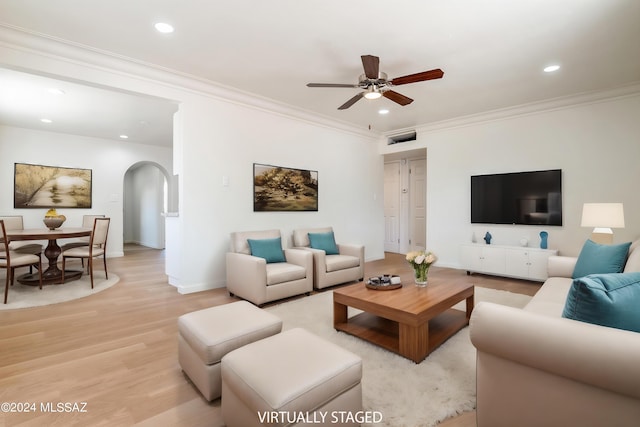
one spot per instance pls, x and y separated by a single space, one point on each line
16 222
11 260
97 247
87 222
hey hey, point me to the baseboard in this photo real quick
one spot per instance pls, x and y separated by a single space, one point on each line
192 288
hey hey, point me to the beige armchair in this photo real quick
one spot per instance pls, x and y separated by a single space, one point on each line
254 279
331 269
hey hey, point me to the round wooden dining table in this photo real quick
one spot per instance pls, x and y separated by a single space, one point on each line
52 275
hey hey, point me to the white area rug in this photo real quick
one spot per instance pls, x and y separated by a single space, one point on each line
23 296
407 394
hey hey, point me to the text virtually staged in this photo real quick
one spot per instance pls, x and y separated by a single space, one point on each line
319 417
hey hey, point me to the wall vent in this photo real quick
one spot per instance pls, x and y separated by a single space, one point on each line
405 137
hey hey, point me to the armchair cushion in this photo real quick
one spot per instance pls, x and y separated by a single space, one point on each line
606 299
595 258
281 272
341 262
325 242
269 249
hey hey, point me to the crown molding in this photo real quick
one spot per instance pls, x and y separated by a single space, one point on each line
545 106
42 45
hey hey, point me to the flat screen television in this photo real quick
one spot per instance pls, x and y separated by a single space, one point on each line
532 198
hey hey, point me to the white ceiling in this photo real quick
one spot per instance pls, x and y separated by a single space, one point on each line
492 52
83 110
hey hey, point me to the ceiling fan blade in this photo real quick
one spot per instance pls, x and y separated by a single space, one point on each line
397 97
352 101
371 65
418 77
330 85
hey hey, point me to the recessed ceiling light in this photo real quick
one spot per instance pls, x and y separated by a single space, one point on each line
164 28
124 136
551 68
383 111
46 120
56 91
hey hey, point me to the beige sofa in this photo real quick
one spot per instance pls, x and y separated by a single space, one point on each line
535 368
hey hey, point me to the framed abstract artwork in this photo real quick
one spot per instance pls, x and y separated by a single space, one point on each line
39 186
277 188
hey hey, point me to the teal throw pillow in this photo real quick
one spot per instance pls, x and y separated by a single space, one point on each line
611 300
599 259
269 249
324 241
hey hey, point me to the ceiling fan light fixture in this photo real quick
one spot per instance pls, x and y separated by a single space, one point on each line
373 93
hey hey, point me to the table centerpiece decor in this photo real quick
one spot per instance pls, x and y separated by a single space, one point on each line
421 261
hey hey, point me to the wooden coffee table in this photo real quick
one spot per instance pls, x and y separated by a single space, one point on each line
410 321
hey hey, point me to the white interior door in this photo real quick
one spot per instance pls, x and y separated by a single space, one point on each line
392 207
418 204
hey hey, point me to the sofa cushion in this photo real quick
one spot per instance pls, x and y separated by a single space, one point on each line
606 299
550 298
595 258
633 261
325 242
269 249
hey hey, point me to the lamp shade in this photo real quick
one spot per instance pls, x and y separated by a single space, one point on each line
603 215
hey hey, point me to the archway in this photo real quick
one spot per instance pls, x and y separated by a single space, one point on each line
149 194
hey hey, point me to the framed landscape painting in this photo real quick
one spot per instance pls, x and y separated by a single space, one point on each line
38 186
276 188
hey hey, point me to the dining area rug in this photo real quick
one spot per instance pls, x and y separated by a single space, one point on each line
24 296
404 393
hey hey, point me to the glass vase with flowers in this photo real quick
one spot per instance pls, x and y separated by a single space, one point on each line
421 261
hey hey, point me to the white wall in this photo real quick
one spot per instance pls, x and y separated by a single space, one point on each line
109 160
596 145
224 140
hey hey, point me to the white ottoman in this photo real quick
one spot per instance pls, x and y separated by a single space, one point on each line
205 336
288 376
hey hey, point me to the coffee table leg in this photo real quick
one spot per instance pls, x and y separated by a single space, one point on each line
339 313
469 307
414 341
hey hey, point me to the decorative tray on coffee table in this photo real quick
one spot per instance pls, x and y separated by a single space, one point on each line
386 282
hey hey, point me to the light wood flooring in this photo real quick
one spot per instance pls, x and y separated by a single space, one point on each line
117 350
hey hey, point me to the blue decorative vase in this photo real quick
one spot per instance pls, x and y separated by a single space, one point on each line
487 238
543 239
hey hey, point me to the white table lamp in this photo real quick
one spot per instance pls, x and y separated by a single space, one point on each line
603 217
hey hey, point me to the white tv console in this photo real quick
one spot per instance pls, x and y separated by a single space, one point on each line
510 261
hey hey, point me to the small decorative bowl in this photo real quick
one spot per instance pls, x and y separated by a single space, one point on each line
384 282
53 222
